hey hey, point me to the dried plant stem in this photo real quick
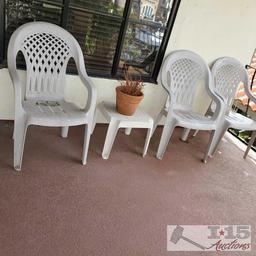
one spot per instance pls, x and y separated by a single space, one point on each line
131 86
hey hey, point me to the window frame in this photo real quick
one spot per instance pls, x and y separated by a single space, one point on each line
152 77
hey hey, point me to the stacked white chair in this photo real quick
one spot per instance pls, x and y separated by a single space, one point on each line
47 48
228 73
182 72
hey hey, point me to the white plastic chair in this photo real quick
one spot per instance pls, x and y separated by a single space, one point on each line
47 49
181 73
228 73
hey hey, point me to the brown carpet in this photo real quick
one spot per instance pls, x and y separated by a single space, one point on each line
121 206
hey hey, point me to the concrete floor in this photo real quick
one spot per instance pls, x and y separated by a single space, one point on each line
120 206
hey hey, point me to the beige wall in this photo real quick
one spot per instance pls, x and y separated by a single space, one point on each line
215 28
212 28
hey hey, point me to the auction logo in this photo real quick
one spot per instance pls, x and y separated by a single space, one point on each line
209 238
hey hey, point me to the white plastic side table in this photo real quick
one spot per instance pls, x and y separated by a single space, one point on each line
140 119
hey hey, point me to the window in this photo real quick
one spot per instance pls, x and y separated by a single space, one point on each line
112 33
147 12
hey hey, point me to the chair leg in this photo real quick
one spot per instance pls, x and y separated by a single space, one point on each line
87 136
214 141
184 135
64 131
209 147
253 137
128 131
165 137
110 138
217 140
19 140
149 134
94 121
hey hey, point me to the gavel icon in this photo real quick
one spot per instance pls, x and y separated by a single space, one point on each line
177 235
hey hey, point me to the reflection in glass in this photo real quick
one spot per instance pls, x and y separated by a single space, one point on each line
96 25
146 28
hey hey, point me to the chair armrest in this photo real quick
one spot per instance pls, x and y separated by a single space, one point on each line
220 110
17 87
92 92
169 102
220 107
167 84
17 92
249 93
86 80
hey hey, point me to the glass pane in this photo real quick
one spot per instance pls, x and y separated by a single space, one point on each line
147 25
20 12
96 25
100 6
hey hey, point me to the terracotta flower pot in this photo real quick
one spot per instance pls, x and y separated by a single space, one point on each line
126 104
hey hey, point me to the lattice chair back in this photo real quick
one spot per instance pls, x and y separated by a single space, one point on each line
47 49
228 73
182 72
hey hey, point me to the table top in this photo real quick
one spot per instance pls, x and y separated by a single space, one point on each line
109 111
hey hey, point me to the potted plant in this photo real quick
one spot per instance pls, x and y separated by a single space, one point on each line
129 94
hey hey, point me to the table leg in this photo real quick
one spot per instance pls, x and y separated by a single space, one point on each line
128 131
110 137
149 134
64 132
